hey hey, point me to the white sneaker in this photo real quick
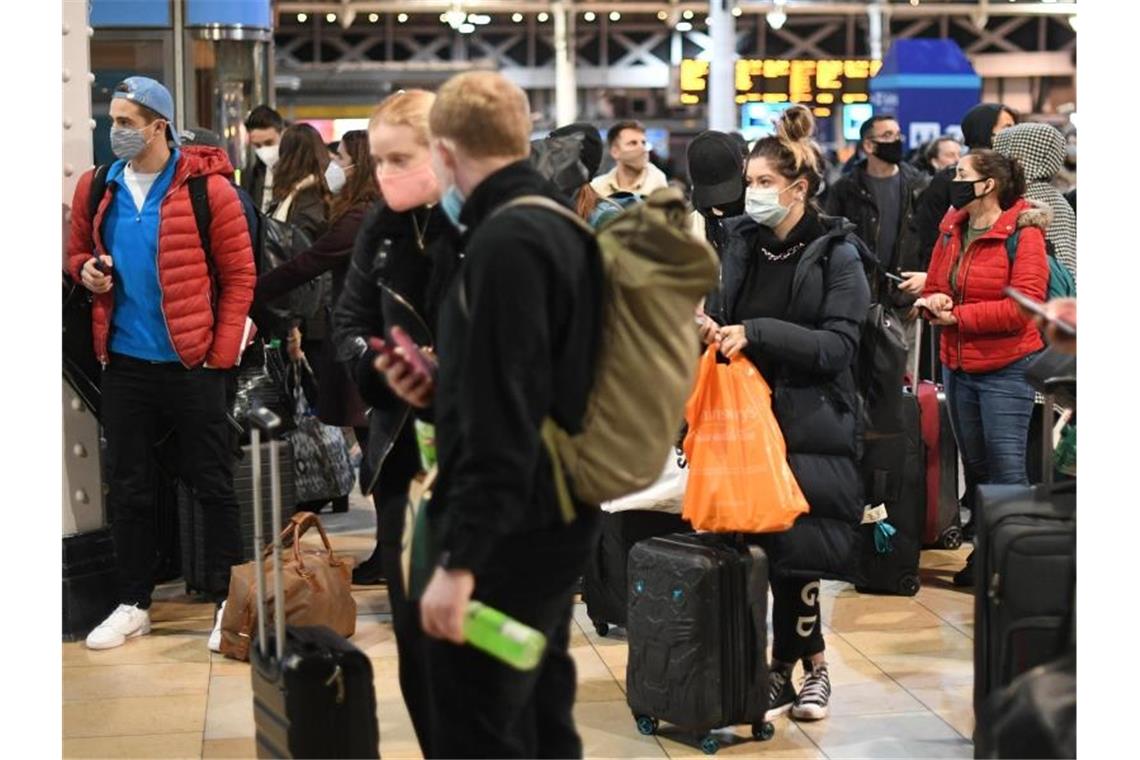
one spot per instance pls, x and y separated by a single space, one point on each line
124 623
215 642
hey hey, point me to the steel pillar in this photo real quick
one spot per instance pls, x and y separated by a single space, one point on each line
722 67
566 85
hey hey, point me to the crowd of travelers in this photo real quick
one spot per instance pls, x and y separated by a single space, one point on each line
408 223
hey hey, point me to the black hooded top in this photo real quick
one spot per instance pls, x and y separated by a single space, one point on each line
978 133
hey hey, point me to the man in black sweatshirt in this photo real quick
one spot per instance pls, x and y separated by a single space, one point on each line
517 343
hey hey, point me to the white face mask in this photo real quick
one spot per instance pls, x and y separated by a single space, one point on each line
268 154
335 177
763 205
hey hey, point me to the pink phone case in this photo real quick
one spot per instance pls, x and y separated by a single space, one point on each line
411 352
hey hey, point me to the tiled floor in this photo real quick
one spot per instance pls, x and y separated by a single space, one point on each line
901 671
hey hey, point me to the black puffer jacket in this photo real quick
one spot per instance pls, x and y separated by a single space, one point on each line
852 198
390 281
811 355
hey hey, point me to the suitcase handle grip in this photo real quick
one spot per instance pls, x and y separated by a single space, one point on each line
265 420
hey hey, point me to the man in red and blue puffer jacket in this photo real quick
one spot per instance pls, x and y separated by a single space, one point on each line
167 319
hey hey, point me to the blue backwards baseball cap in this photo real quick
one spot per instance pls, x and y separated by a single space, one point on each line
151 94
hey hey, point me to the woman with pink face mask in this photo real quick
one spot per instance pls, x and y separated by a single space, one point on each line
402 262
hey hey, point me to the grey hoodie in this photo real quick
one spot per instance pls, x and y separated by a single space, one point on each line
1041 150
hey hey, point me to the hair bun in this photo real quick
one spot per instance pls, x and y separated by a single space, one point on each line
795 125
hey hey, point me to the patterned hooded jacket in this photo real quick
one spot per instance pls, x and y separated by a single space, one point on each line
1041 150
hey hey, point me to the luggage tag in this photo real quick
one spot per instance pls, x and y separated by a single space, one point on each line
874 514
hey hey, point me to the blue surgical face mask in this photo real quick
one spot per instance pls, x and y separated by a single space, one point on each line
452 205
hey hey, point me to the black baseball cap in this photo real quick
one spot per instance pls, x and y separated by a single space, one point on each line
716 169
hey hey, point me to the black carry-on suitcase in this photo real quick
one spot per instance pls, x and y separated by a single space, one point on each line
698 611
312 690
605 582
192 516
1025 566
895 468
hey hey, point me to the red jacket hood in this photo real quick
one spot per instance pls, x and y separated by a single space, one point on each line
1023 213
203 160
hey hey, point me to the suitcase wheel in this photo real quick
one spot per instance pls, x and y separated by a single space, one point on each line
602 627
909 585
710 744
646 726
763 731
951 538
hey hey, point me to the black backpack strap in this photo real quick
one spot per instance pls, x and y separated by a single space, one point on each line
200 203
97 191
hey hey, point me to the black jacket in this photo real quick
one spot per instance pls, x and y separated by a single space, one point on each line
517 344
390 281
253 181
816 402
851 197
932 206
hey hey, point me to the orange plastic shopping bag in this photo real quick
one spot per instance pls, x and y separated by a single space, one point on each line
739 477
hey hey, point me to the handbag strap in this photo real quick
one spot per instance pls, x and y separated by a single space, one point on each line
298 525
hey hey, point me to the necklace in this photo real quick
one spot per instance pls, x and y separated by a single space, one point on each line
782 256
419 233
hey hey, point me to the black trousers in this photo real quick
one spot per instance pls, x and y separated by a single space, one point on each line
390 500
797 631
141 401
487 709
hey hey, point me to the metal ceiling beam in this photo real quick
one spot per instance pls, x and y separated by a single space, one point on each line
805 7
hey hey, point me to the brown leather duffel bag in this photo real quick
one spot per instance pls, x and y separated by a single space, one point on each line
317 583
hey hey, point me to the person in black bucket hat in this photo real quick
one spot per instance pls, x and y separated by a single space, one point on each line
716 169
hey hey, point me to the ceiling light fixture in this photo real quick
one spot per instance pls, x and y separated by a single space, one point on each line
330 17
684 26
688 15
373 17
302 18
402 18
662 16
589 16
615 16
738 11
517 18
543 17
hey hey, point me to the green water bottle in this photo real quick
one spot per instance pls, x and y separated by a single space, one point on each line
425 439
503 638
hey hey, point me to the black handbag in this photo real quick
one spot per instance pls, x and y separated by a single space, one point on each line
282 242
80 366
261 382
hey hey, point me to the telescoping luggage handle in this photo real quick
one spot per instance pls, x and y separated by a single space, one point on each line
264 422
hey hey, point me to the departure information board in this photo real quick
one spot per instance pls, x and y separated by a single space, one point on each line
819 84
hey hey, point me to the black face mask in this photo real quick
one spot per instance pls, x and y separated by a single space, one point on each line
962 192
891 152
736 208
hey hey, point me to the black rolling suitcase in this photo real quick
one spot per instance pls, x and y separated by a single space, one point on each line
1025 563
698 611
605 587
192 516
90 582
895 478
1034 717
312 690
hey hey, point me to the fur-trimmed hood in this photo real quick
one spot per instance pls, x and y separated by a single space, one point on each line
1024 213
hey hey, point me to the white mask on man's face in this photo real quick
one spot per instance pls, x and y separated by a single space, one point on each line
268 155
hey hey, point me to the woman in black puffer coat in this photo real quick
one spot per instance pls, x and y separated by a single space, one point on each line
793 298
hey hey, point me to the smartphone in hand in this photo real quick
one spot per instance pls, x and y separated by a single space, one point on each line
385 349
412 353
1037 309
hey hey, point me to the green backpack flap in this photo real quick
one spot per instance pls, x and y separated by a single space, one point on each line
1061 282
655 273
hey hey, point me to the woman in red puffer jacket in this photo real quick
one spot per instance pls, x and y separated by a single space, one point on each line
987 341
